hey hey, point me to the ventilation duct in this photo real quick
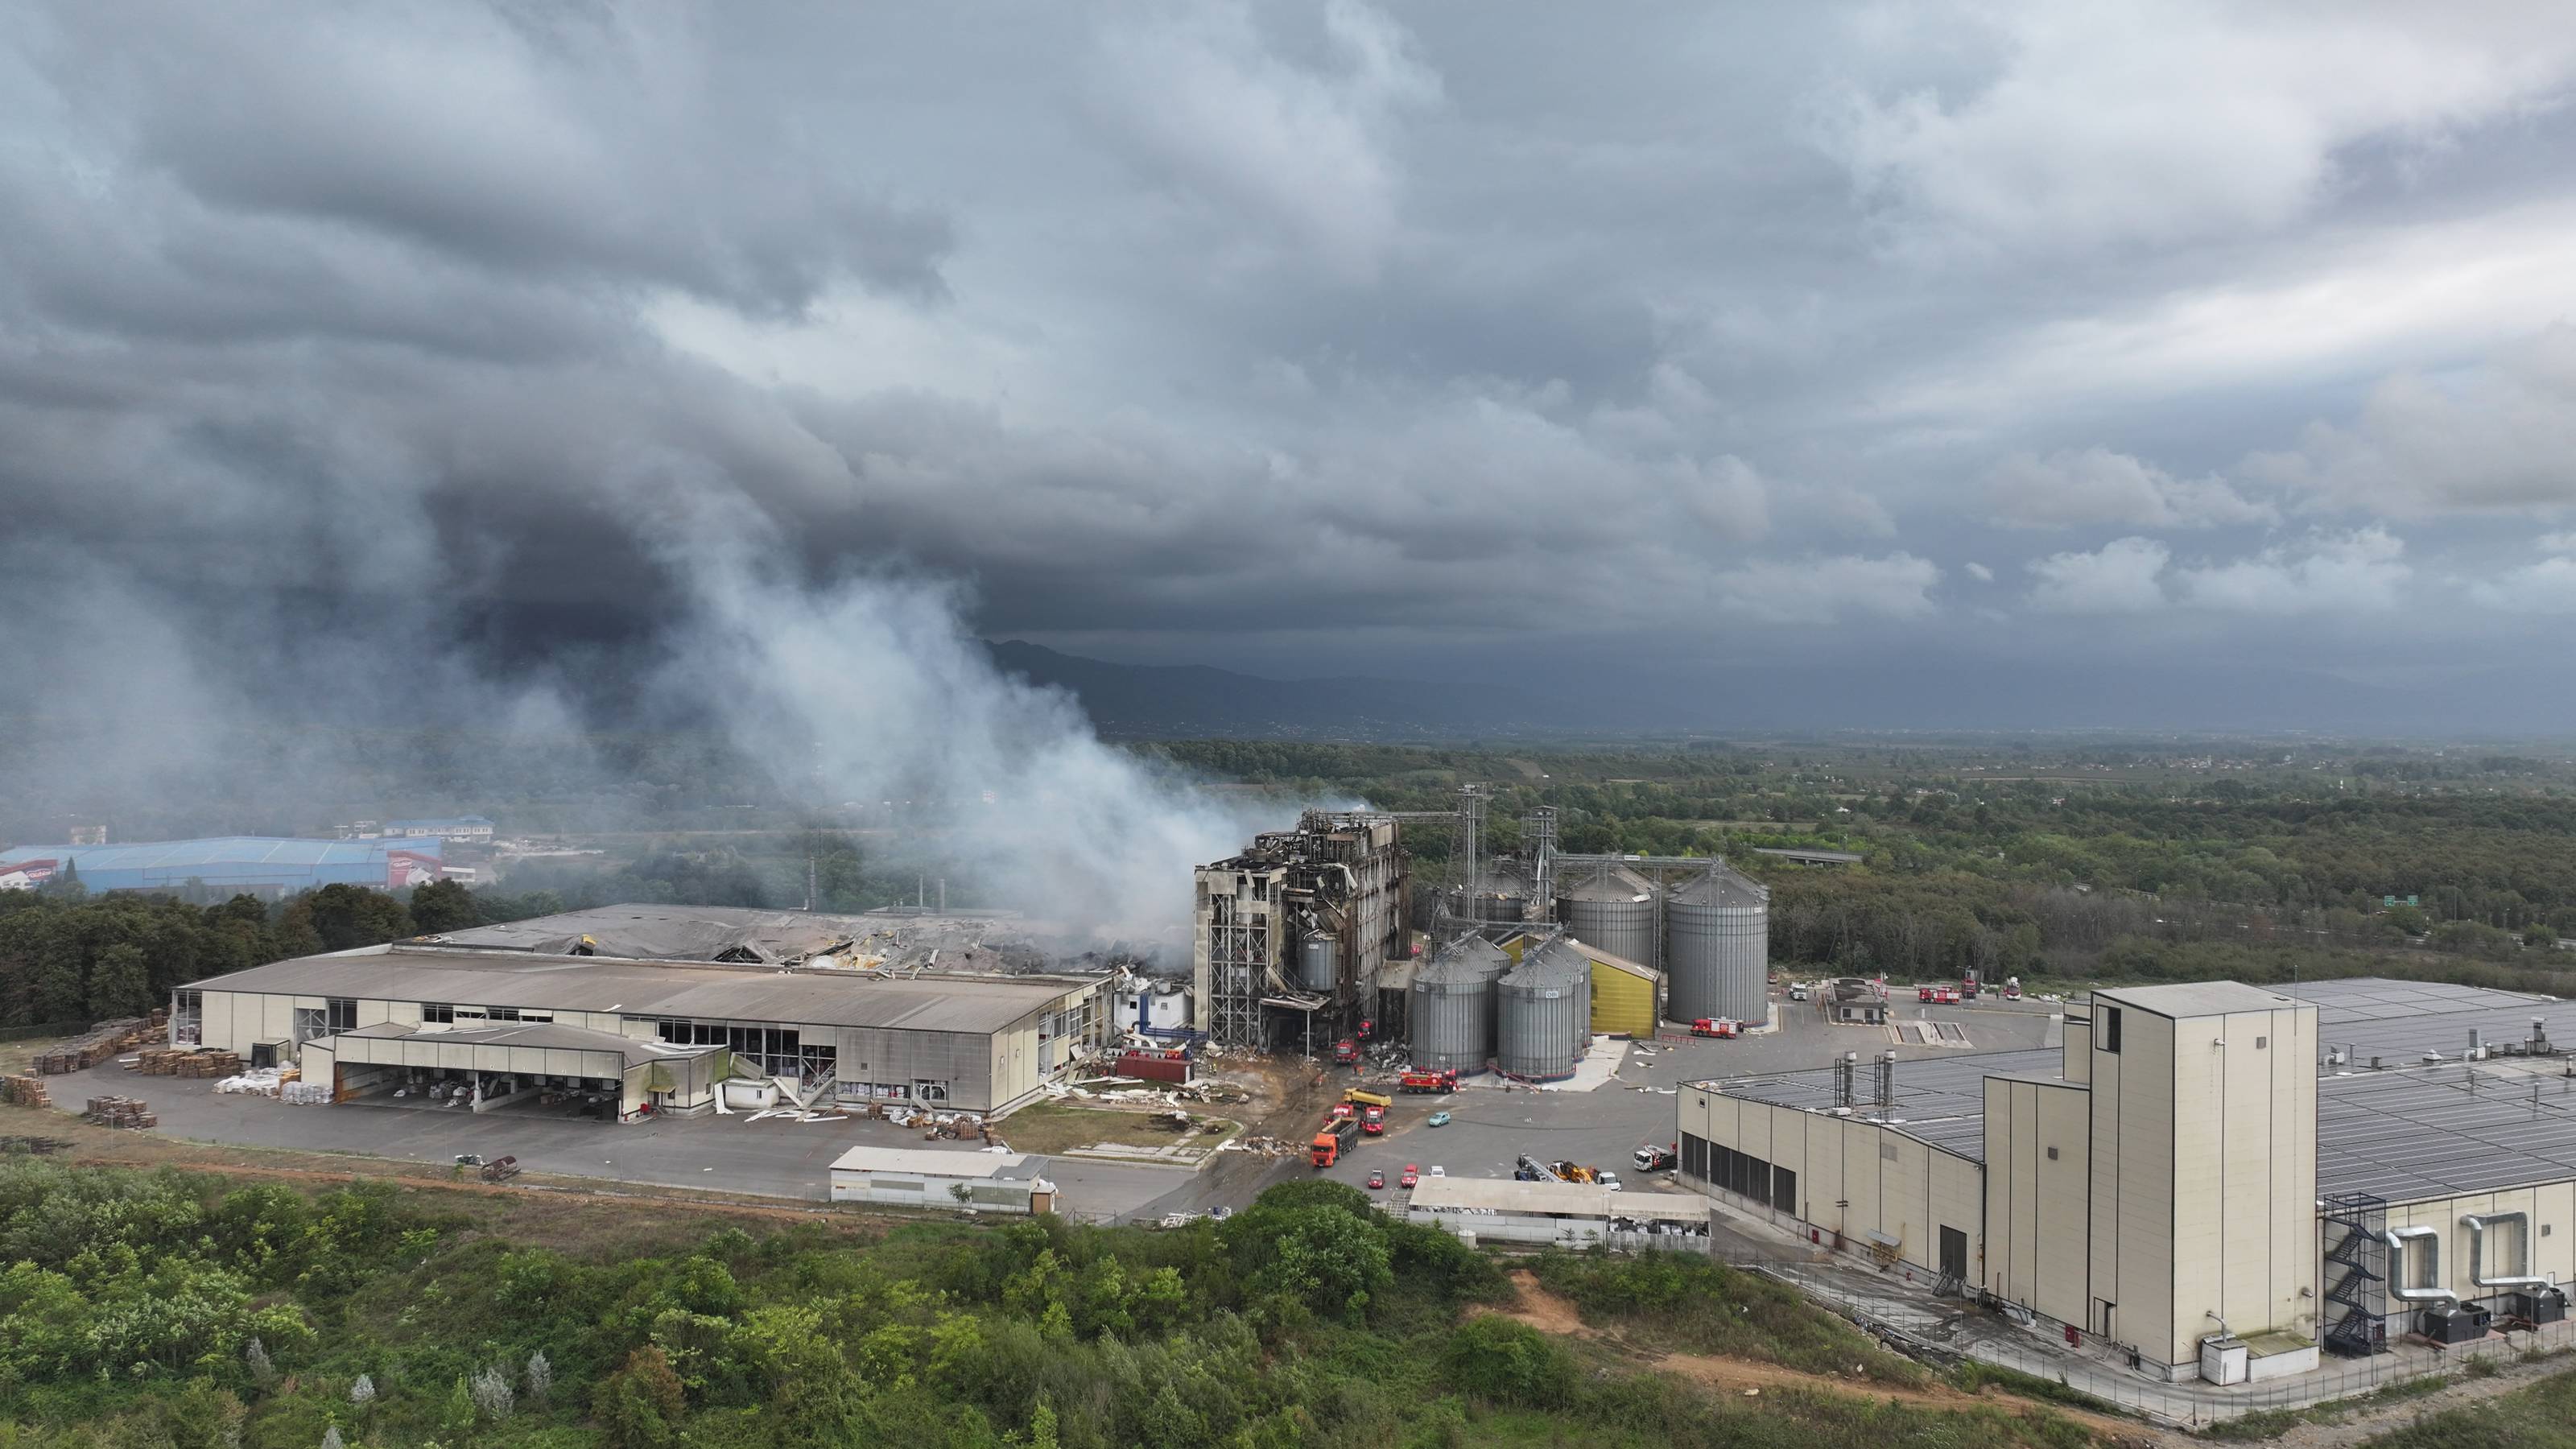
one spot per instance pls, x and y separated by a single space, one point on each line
2431 1238
2477 1224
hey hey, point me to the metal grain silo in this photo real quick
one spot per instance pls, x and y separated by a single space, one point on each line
1503 894
1319 961
1612 909
1717 933
1543 1018
1451 1019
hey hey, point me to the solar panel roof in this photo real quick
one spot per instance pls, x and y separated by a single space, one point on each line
2412 1129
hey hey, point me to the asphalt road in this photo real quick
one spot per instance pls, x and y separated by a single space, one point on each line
1489 1127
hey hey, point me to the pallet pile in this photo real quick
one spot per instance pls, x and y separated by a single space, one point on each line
184 1062
25 1091
121 1112
100 1042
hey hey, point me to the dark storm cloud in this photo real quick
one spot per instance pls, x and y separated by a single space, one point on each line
1410 325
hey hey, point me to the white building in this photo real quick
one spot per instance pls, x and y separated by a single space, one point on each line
2209 1166
1571 1214
963 1181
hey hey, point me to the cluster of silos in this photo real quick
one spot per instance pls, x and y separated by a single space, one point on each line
1450 1021
1612 909
1717 948
1543 1013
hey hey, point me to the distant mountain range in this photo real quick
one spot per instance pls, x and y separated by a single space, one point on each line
1177 701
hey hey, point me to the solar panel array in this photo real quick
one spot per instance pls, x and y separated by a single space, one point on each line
2414 1130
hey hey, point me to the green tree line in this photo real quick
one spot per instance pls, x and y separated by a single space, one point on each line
172 1310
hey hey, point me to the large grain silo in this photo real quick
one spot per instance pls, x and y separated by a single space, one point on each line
1717 938
1543 1014
1502 894
1613 909
1451 1018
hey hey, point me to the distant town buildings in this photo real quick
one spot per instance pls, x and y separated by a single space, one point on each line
228 865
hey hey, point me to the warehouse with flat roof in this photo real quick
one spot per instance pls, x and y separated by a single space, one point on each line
369 1020
2210 1175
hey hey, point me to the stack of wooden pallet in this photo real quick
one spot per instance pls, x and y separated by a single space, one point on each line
25 1091
208 1064
96 1045
121 1112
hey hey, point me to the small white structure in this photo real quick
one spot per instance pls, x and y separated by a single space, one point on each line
1568 1213
975 1182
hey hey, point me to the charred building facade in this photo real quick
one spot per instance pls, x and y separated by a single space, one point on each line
1302 937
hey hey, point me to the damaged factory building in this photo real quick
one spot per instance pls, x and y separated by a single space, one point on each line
1302 937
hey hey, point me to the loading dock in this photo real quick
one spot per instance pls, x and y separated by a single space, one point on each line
569 1070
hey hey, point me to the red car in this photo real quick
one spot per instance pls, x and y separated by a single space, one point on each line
1377 1178
1411 1176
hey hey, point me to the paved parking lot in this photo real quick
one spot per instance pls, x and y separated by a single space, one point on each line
1489 1127
776 1158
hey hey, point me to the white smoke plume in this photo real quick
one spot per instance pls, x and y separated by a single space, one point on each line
871 688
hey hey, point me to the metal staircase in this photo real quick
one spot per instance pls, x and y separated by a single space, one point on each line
2356 1265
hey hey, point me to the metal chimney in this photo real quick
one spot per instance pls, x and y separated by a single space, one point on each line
1887 1082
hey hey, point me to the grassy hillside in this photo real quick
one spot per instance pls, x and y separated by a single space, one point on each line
178 1309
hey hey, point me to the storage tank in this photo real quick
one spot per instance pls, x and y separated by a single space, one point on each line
1717 932
1451 1018
1319 961
1543 1016
1612 909
1501 895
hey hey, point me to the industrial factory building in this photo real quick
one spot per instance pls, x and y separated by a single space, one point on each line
1292 940
823 1021
231 865
2214 1178
1300 942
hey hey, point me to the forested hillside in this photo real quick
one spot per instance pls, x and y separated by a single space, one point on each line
175 1310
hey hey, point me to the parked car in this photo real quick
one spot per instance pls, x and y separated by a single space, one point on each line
1437 1119
1438 1171
1412 1175
1377 1177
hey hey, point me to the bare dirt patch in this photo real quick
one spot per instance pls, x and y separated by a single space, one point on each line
1534 1305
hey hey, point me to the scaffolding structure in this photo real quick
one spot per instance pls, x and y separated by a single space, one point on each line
2357 1266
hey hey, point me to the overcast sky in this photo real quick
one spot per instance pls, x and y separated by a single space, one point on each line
1308 339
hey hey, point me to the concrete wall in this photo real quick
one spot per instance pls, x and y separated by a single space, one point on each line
2133 1181
2039 1196
1855 1177
2245 1185
2204 1176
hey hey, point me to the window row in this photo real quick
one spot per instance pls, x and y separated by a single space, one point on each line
1740 1173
